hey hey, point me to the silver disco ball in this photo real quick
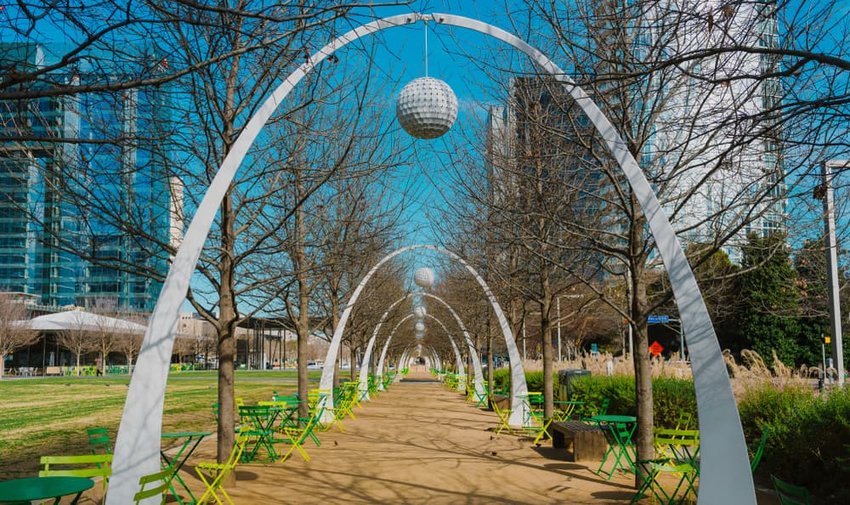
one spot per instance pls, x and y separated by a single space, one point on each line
420 327
419 335
423 277
419 312
426 108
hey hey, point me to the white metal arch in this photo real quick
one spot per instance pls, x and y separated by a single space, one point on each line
458 358
363 385
478 374
519 389
461 385
724 474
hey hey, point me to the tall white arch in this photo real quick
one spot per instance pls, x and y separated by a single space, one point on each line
461 385
724 469
478 374
519 389
363 385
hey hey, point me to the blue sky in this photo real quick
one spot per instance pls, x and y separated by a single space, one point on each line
454 56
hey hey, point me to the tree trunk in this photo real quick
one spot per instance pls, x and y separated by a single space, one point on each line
490 360
77 368
548 352
2 364
643 368
226 336
227 343
303 321
352 360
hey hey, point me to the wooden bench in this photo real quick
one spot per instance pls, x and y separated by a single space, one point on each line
583 441
53 370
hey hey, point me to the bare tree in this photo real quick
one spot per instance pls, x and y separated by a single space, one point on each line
78 341
13 333
129 345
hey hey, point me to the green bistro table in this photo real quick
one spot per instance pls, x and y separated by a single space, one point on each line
288 410
190 441
42 488
619 430
261 420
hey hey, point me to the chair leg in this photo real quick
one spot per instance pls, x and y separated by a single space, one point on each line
544 432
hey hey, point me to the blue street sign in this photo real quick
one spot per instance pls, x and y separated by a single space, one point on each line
658 319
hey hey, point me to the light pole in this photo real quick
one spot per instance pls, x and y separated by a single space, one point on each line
832 265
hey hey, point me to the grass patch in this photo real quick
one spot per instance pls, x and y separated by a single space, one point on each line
50 415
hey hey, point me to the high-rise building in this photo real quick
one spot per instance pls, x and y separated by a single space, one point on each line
713 141
704 124
51 243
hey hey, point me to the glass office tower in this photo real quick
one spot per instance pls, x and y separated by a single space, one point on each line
52 244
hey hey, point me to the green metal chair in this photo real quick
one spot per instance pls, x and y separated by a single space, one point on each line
601 411
99 440
161 480
790 494
759 452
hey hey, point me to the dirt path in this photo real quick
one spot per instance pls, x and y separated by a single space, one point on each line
419 443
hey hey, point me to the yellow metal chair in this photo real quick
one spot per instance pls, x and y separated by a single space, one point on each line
683 449
296 437
86 465
160 479
504 417
214 474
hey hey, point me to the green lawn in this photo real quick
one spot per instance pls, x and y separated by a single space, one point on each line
50 415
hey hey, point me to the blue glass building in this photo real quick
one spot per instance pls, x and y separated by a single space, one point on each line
51 243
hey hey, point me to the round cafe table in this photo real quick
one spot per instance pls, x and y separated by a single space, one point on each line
41 488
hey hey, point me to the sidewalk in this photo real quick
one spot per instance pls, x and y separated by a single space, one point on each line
419 443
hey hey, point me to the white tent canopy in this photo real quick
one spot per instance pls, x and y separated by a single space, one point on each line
80 320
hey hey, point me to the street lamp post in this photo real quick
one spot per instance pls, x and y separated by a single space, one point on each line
832 265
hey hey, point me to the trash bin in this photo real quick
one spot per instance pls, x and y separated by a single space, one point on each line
564 378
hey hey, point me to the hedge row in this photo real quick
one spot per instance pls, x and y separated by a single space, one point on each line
672 398
809 440
809 443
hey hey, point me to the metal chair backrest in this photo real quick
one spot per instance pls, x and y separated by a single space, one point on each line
765 434
162 480
790 494
99 440
683 444
603 407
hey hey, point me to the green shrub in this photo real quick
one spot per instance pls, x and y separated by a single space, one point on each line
672 397
501 378
809 437
534 380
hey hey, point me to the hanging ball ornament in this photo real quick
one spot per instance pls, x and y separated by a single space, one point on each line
419 312
426 108
420 327
419 335
423 277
